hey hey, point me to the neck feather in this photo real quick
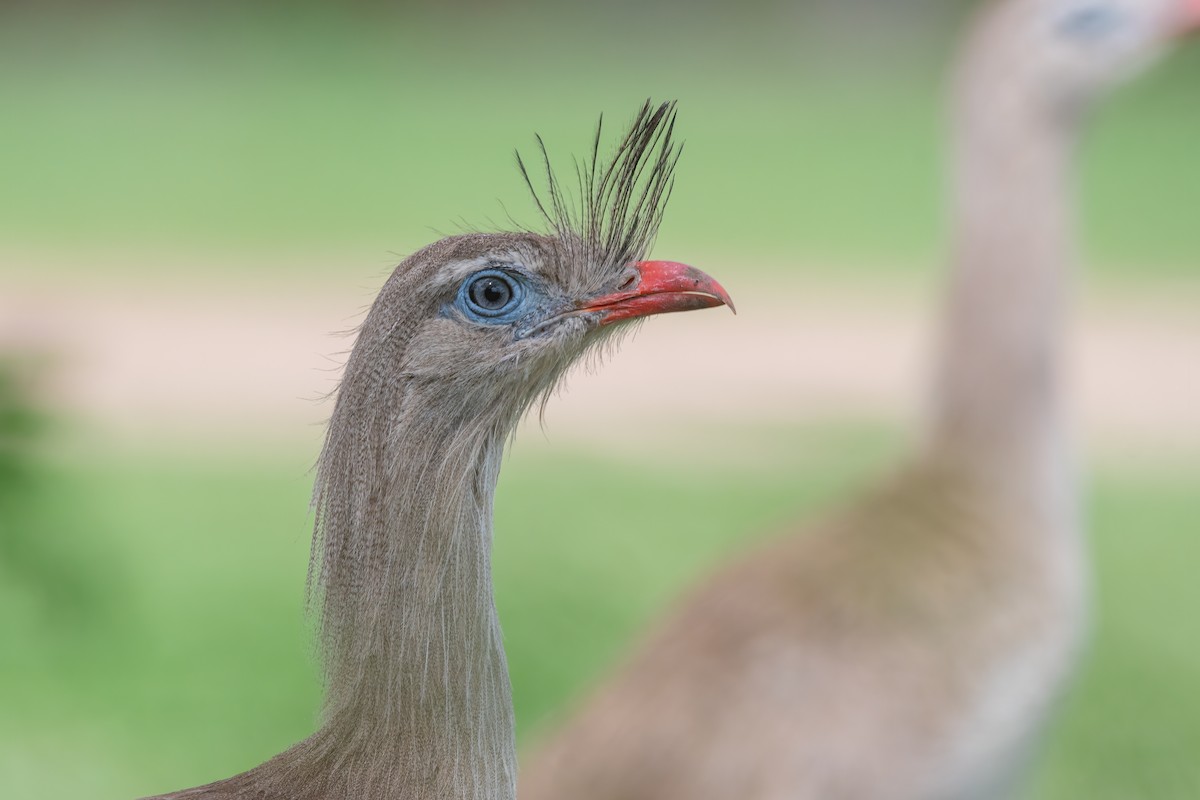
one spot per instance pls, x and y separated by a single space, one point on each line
418 699
998 394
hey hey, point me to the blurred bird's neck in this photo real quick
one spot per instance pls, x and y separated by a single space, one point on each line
998 396
418 699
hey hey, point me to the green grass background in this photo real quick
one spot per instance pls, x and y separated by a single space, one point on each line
177 651
151 625
307 128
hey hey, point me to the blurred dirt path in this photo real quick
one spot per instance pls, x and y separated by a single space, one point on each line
213 361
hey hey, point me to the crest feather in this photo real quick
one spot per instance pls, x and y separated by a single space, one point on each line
620 202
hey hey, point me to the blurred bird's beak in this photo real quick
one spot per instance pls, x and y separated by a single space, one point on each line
660 287
1188 18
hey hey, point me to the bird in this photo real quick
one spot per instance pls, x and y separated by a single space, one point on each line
913 642
464 336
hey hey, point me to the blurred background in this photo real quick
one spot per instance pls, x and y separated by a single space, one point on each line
195 198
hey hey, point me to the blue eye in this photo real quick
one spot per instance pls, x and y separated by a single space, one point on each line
491 295
1091 22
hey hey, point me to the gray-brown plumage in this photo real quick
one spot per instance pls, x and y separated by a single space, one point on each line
463 337
909 646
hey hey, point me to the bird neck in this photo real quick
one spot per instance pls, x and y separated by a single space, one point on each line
418 699
998 394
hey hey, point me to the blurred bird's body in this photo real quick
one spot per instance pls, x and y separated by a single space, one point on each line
902 648
911 646
465 335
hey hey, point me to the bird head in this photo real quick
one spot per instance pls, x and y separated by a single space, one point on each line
1069 52
475 327
485 323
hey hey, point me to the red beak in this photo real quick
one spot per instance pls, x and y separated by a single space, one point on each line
662 287
1188 20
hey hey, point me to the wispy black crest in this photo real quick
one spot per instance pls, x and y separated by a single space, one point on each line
615 216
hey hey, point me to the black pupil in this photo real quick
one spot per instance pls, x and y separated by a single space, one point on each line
491 293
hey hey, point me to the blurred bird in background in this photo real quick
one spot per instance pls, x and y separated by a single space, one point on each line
911 646
463 338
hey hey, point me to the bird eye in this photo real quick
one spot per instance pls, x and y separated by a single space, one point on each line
1090 22
491 294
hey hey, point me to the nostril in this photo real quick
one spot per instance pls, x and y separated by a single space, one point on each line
628 283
